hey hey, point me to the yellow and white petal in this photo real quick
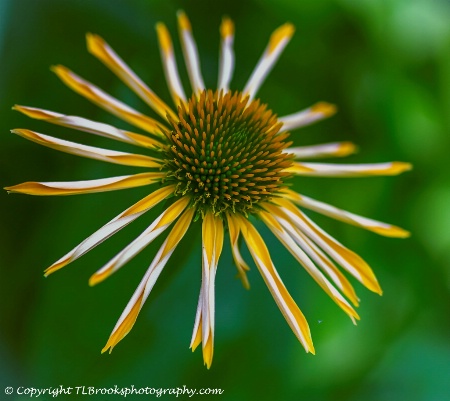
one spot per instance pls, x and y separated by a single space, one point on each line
316 112
226 59
337 149
212 242
100 49
91 152
107 102
88 186
314 252
378 227
284 233
325 263
278 41
190 52
170 64
129 315
349 260
348 170
93 127
287 305
110 228
163 221
241 265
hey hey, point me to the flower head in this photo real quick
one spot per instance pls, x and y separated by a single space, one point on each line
222 158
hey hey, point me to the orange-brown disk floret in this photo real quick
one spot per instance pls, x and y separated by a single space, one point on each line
226 153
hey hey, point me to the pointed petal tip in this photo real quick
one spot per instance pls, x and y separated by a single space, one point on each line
183 20
327 109
284 32
400 167
227 27
347 148
106 348
391 231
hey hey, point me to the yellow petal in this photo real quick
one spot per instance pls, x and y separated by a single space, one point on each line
100 49
107 102
83 187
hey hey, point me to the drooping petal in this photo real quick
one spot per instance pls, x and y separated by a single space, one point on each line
93 127
378 227
91 152
100 49
349 260
337 149
278 41
287 305
129 315
348 170
314 252
316 112
241 265
107 102
109 229
226 59
170 64
84 187
285 238
130 251
190 52
212 239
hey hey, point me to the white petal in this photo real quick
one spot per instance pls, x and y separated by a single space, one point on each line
88 186
161 223
129 315
317 112
100 49
226 59
116 224
170 64
93 127
348 170
107 102
91 152
190 53
337 149
350 218
278 41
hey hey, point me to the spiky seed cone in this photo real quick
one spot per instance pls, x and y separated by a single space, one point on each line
225 153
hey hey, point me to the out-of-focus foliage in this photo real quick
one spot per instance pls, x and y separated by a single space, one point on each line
386 64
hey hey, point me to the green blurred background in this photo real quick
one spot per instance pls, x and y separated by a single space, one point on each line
385 63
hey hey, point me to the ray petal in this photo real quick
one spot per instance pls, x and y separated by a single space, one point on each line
100 49
91 152
170 64
348 170
349 260
160 224
226 59
241 265
287 305
212 242
93 127
190 53
109 229
278 41
89 186
316 112
284 233
107 102
129 315
378 227
336 149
